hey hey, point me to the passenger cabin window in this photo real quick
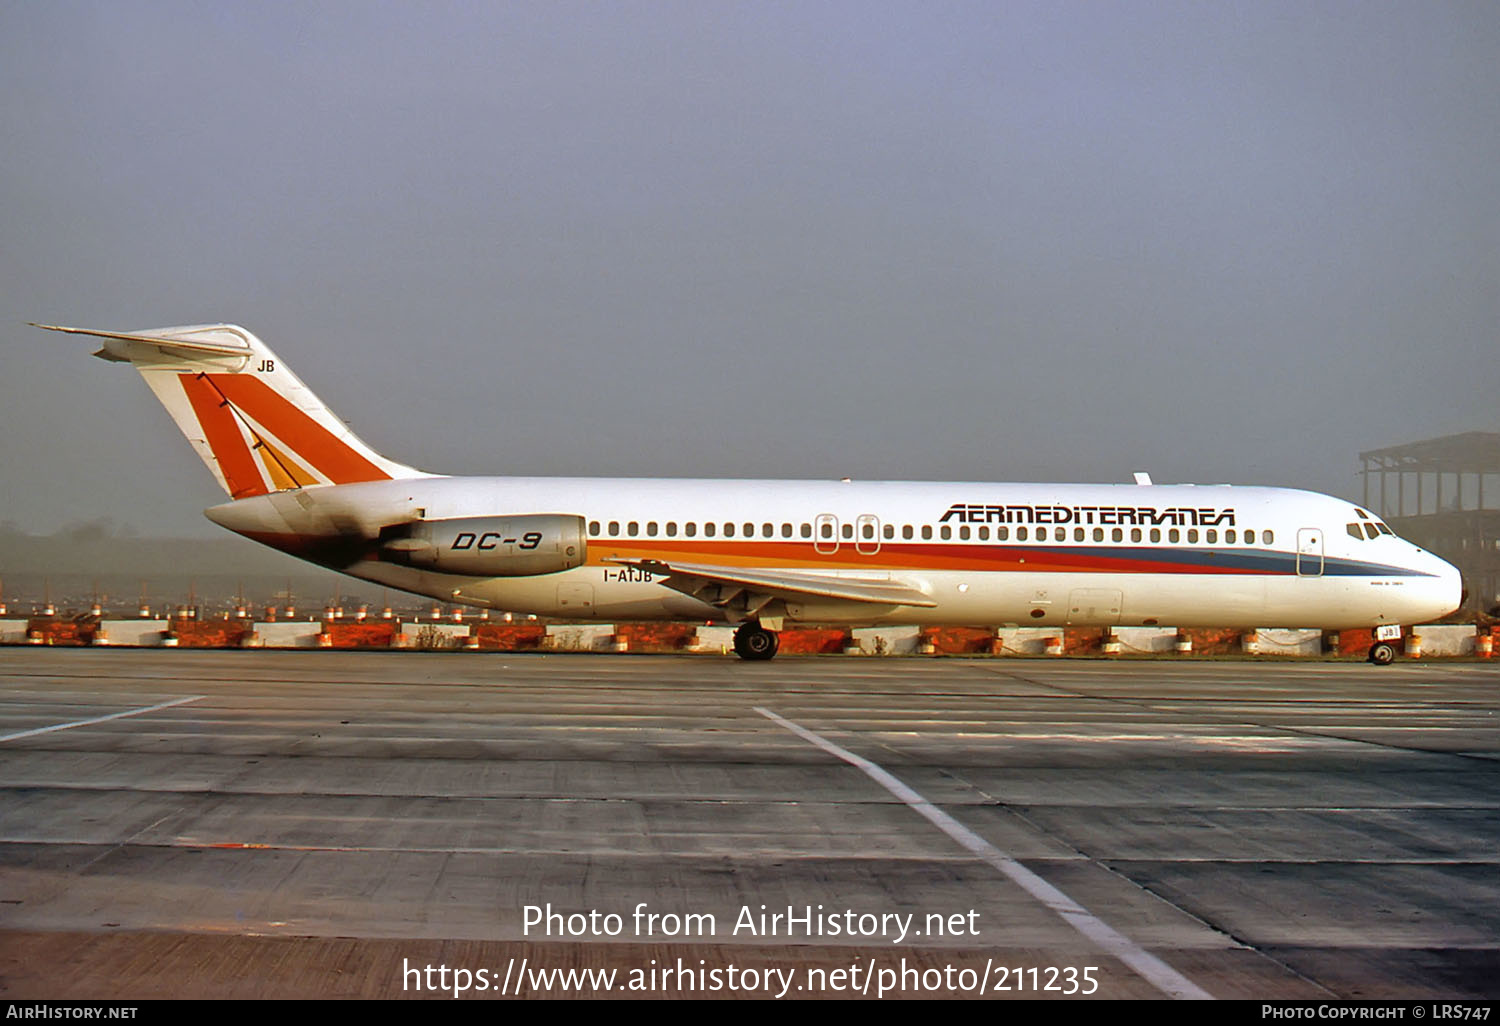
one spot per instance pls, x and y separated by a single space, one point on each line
768 530
1229 536
1135 534
593 528
1174 535
947 532
1192 536
671 529
1078 534
926 532
827 531
729 530
1118 534
614 528
984 534
749 531
1249 537
633 529
690 529
651 528
1156 534
907 532
1061 533
867 531
963 533
848 532
1002 533
786 530
889 530
807 530
1211 536
1268 537
708 529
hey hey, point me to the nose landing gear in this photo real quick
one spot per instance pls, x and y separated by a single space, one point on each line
754 642
1383 652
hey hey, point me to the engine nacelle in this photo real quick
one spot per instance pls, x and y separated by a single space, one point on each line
521 546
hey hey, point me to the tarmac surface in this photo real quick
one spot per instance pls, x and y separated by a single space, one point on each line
332 824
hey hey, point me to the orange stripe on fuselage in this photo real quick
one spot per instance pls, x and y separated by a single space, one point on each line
241 475
308 440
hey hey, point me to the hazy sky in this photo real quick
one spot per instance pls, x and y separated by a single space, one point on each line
979 241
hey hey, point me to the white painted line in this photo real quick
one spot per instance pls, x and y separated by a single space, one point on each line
1166 979
98 719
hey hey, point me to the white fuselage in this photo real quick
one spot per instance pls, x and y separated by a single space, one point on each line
988 554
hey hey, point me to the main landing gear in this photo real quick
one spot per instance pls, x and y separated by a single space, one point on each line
754 642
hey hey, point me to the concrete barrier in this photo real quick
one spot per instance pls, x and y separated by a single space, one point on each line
432 635
131 633
580 637
1289 641
1446 639
883 641
713 639
283 634
1146 640
1423 641
1025 640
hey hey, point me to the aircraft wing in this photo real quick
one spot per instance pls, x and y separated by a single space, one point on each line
749 590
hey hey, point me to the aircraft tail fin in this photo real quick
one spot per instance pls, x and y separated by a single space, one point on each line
254 423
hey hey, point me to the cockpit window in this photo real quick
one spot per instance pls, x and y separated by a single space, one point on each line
1370 531
1354 531
1383 529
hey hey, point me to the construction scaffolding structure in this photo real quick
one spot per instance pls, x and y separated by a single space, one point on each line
1444 495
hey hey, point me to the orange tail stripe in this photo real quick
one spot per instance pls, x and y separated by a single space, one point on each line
308 440
224 438
284 470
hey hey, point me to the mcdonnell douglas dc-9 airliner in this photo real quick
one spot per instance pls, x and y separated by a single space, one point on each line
762 554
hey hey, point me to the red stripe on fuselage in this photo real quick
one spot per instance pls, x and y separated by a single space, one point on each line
999 558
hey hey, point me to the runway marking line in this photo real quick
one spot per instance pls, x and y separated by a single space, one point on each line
98 719
1158 973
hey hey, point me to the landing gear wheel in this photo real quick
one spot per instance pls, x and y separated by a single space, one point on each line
1382 653
754 642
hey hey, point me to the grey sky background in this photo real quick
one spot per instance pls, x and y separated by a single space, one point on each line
972 241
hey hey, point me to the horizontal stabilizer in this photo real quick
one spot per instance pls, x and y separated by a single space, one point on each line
233 346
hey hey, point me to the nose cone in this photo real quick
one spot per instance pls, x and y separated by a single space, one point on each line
1438 595
1453 586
